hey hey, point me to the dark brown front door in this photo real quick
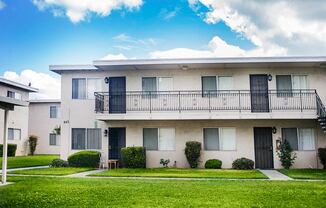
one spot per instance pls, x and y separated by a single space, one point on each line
263 147
259 93
117 140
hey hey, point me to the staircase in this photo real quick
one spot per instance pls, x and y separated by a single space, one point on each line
321 113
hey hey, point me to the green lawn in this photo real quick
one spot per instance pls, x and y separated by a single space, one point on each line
29 161
52 171
305 173
182 173
92 192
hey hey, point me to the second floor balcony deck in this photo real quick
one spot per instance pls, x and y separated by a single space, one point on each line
228 104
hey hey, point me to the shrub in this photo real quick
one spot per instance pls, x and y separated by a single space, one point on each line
11 150
58 163
134 157
213 164
286 154
85 159
165 163
243 164
322 156
32 142
192 152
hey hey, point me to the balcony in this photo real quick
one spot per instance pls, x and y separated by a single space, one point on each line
230 104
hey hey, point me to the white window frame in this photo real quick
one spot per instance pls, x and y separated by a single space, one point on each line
292 75
220 129
157 81
217 77
20 134
86 87
86 134
298 138
158 137
57 111
57 143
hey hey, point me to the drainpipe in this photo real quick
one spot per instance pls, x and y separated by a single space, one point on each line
5 147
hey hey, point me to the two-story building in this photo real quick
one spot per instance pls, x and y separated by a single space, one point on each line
236 107
18 118
44 122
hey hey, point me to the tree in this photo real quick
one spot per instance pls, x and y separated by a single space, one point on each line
286 154
32 142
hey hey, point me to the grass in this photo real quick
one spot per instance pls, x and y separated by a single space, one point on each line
182 173
314 174
92 192
52 171
29 161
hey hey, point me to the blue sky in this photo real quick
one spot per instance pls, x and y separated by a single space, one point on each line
37 33
34 39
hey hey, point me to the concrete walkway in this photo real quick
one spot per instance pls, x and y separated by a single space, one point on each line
26 168
84 174
275 175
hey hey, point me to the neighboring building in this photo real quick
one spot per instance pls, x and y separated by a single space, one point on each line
44 122
236 107
18 119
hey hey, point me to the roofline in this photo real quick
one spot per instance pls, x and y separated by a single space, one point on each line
221 60
18 85
45 101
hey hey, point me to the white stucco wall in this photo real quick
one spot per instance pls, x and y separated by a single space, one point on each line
41 125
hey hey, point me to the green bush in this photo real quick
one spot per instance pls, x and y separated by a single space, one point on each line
32 142
192 152
286 154
58 163
322 156
85 159
134 157
11 150
243 164
213 164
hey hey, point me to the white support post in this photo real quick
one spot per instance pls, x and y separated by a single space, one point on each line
5 147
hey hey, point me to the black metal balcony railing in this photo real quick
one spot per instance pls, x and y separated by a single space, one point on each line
229 100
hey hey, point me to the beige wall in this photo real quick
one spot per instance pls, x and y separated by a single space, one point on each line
17 119
80 113
41 125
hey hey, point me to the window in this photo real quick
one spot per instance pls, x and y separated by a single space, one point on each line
150 138
300 138
14 134
53 139
219 139
210 84
54 111
93 85
83 88
159 139
286 83
14 95
86 138
150 84
79 88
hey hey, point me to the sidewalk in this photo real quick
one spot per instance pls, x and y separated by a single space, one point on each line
25 168
275 175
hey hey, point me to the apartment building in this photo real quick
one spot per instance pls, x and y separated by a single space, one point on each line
236 107
44 122
18 118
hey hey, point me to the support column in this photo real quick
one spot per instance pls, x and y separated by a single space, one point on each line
5 147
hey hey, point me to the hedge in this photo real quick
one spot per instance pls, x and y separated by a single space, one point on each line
213 164
192 152
85 159
243 164
322 156
133 157
11 150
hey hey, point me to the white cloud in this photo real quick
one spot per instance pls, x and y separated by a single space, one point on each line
49 86
119 56
166 14
293 27
126 42
2 4
215 48
77 10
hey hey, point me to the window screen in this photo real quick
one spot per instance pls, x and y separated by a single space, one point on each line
306 139
211 139
290 134
78 138
79 88
53 139
283 85
94 140
150 138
